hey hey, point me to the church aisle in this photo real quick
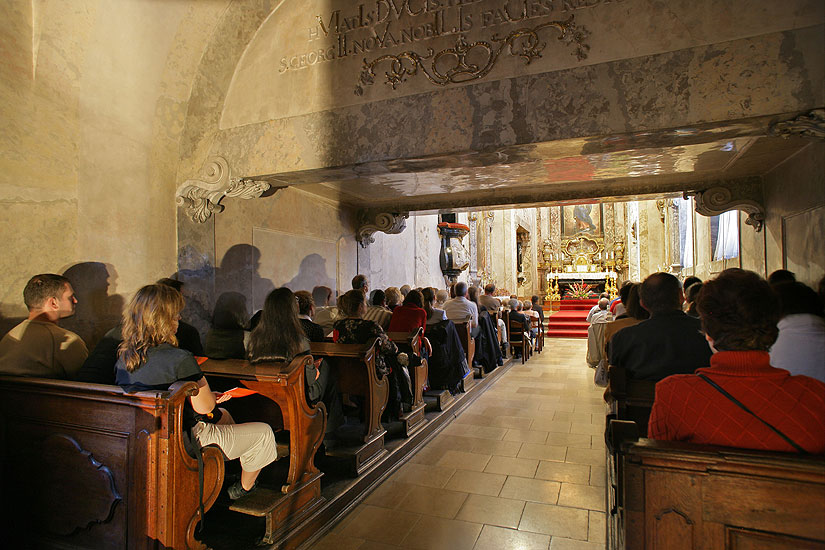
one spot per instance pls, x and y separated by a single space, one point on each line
521 468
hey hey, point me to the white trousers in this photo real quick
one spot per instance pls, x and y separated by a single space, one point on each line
252 442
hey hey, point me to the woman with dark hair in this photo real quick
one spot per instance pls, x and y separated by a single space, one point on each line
280 337
633 315
690 298
740 400
410 316
354 329
148 359
434 315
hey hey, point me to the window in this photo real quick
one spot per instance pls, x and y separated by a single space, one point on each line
685 232
724 235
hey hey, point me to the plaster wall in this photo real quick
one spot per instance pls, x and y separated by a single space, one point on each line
93 96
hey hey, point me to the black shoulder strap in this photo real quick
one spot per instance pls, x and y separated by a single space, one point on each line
742 406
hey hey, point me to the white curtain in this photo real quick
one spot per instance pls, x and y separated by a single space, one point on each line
727 239
686 232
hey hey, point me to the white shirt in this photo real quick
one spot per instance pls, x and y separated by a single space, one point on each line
601 316
593 310
459 308
800 348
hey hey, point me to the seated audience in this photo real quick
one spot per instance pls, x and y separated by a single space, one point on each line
690 299
488 301
378 311
460 309
354 329
527 310
225 339
537 307
360 282
800 347
149 360
740 400
668 343
602 314
405 289
38 346
596 308
634 315
434 315
781 276
394 298
517 316
690 281
188 336
411 316
617 307
280 336
441 297
325 313
306 310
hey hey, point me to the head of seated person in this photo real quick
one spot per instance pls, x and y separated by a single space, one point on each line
797 298
472 294
359 282
441 296
279 335
603 303
321 295
352 304
634 304
460 289
738 312
393 296
414 299
661 293
781 276
379 298
405 289
689 281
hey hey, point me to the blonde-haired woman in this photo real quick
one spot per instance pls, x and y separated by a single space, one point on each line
148 359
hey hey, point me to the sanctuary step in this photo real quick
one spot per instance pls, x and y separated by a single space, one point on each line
571 319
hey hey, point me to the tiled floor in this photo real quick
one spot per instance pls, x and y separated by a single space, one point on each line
521 468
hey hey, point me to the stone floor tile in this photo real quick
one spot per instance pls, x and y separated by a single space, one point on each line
470 430
542 452
503 512
522 467
499 538
388 494
596 457
573 417
587 428
432 533
598 476
423 474
372 545
549 425
575 495
569 440
334 541
395 524
513 422
596 528
527 436
559 543
534 490
493 447
475 419
479 483
432 502
564 472
463 460
556 521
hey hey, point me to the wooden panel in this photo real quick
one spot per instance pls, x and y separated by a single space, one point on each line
768 505
673 509
742 539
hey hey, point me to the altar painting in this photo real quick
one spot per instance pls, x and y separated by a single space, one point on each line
581 218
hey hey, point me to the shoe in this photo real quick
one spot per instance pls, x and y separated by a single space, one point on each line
237 491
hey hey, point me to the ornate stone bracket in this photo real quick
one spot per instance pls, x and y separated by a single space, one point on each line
716 200
808 125
390 223
203 196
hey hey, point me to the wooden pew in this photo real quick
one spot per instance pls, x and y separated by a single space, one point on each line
517 337
410 343
90 466
629 399
357 376
535 322
285 385
681 496
469 345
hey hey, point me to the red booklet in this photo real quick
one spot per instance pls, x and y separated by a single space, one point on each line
240 392
201 360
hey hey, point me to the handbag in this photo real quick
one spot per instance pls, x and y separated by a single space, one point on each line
600 378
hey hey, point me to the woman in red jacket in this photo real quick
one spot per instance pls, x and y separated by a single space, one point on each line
409 316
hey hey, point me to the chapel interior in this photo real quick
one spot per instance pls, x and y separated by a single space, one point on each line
245 145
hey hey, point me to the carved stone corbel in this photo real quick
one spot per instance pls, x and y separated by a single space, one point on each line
203 196
716 200
808 125
391 223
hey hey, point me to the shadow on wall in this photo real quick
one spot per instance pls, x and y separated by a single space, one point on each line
8 323
311 273
96 310
239 272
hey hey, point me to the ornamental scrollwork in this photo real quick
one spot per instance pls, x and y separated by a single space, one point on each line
717 200
202 196
524 43
808 125
388 222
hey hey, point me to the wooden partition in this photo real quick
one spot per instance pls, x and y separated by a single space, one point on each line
90 466
357 376
410 343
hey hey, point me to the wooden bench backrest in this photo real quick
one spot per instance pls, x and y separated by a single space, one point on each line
90 466
410 343
682 496
633 399
467 341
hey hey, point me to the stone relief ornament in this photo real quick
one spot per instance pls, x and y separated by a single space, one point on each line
388 222
808 125
716 200
203 196
525 43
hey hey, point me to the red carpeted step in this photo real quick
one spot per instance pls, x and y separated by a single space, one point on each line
571 320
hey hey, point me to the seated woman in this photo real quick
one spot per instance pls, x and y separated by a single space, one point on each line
280 337
764 407
353 329
411 316
434 315
149 360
